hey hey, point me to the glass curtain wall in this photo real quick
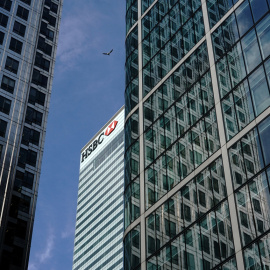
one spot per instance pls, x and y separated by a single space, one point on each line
197 192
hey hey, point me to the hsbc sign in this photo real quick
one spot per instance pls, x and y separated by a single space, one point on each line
93 146
111 128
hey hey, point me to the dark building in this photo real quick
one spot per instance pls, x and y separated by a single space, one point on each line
197 127
29 32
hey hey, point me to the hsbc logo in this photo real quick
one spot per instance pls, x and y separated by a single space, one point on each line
93 146
111 128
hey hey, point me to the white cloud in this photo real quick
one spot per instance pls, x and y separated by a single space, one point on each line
42 256
47 253
68 232
32 266
77 35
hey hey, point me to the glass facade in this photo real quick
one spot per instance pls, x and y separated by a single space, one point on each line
28 39
197 131
99 221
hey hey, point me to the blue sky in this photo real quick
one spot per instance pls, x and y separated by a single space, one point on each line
88 88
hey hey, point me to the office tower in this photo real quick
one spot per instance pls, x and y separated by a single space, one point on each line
29 32
197 135
99 221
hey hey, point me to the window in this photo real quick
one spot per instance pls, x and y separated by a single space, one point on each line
44 47
12 65
249 165
204 224
205 244
19 28
238 178
27 157
214 225
8 84
30 136
134 167
21 228
221 227
185 192
3 128
174 255
152 175
247 238
263 30
33 116
187 213
207 264
241 199
167 227
28 2
9 234
135 238
216 250
157 223
148 114
169 207
151 196
46 32
215 185
260 226
150 153
39 79
151 245
189 238
24 205
151 221
41 62
21 203
25 179
2 35
15 45
6 4
53 6
253 186
202 199
264 131
46 16
35 96
3 20
5 105
189 261
257 206
223 250
22 13
244 18
244 219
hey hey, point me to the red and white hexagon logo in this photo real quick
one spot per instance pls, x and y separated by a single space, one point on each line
110 128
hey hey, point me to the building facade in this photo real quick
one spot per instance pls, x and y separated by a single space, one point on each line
29 32
197 135
99 221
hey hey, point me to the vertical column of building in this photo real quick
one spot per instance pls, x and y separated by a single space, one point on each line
132 198
29 32
238 32
222 136
202 102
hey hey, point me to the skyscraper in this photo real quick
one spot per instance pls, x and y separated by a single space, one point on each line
99 221
197 135
29 32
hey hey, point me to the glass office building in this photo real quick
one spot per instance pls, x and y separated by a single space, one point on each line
99 221
28 39
197 135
